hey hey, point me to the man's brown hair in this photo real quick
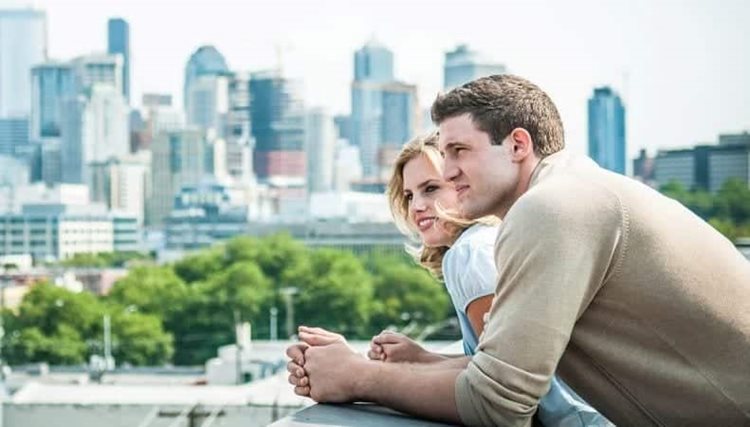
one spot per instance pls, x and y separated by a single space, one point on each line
500 103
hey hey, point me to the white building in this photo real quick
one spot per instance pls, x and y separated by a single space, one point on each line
23 44
95 129
123 184
320 144
55 232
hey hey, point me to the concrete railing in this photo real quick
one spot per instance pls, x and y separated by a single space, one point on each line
358 414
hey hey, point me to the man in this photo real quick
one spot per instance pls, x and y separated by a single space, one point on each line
640 306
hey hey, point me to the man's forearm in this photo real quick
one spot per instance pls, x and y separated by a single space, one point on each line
412 389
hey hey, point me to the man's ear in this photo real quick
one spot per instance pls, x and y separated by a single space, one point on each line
522 145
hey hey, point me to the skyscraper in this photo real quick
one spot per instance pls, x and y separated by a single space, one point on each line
51 84
23 44
208 102
206 61
320 137
384 111
463 65
607 129
95 129
98 68
373 63
277 115
118 41
179 158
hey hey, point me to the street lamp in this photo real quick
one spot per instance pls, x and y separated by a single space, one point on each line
287 293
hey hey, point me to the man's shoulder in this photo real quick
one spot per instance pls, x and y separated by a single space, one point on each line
568 195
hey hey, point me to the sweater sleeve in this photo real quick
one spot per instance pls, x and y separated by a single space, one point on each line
553 255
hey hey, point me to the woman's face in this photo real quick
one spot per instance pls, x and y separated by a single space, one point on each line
424 187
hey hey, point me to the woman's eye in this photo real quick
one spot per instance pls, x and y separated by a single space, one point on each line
431 188
409 197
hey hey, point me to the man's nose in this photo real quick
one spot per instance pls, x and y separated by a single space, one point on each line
450 170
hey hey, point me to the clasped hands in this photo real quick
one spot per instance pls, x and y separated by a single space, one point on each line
325 368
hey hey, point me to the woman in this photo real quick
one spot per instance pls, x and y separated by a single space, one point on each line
460 253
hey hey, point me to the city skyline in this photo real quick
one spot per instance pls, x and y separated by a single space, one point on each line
656 58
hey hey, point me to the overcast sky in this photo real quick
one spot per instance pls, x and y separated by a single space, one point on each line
683 67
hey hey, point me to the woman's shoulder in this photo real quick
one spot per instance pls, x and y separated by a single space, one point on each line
477 235
475 239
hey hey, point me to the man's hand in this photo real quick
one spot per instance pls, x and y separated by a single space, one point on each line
296 366
333 371
318 336
297 375
394 347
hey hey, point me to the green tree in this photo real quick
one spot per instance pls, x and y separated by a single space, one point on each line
139 338
335 292
405 292
151 289
208 316
200 266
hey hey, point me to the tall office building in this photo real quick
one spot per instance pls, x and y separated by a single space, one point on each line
14 134
23 44
121 183
384 111
52 83
118 42
97 68
607 129
206 61
95 129
463 65
208 102
278 127
179 158
320 136
240 142
373 63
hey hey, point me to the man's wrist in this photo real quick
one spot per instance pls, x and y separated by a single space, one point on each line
366 374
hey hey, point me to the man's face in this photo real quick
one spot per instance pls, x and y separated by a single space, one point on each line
485 175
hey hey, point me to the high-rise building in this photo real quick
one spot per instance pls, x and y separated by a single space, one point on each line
607 129
97 68
208 103
23 44
384 111
320 143
95 129
51 161
463 65
240 142
52 84
14 133
118 42
179 158
278 127
373 63
206 61
121 183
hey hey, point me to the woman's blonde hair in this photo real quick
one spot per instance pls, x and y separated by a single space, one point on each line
430 257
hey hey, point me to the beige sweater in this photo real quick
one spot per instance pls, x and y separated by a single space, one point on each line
640 306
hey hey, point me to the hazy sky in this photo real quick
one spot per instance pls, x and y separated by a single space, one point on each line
683 67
